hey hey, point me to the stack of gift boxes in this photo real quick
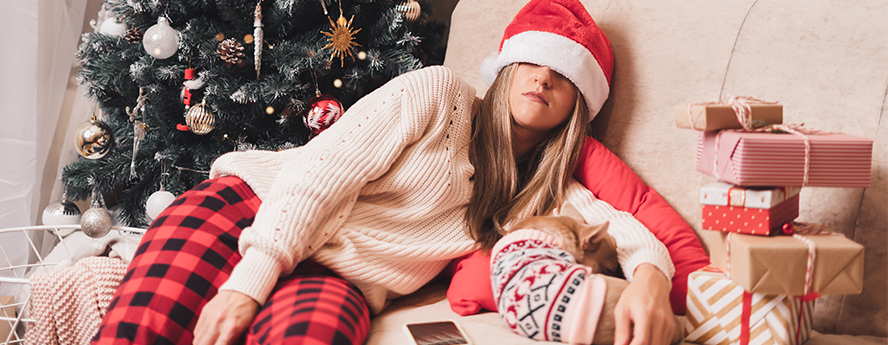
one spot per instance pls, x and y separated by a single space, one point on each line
767 269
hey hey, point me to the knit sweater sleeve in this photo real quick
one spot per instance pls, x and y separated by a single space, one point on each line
321 180
635 243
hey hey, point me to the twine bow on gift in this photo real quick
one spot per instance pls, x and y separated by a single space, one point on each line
794 129
741 106
798 231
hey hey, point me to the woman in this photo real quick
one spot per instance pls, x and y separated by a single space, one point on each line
283 247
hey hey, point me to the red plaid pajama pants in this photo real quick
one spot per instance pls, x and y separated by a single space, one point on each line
190 250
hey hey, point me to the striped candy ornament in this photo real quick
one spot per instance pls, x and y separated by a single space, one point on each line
715 313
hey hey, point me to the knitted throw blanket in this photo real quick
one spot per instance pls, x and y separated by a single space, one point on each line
68 304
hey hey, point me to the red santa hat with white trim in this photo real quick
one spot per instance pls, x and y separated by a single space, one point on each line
561 34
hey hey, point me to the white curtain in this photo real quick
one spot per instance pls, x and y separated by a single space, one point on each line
39 107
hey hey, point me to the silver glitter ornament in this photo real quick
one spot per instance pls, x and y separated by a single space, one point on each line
96 222
199 118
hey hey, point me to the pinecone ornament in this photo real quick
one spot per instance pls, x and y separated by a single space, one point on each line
231 52
133 35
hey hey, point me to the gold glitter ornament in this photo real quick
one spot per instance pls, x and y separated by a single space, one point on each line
341 39
199 118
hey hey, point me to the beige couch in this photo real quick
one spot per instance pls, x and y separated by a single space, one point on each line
825 60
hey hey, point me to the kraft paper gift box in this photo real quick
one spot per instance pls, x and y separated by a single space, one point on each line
748 210
712 117
7 312
717 313
776 265
771 159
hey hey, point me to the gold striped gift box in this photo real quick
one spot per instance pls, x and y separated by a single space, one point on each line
715 306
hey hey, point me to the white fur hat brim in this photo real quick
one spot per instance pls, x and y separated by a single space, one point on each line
562 55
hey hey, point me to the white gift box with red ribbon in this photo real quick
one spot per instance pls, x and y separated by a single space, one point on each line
726 194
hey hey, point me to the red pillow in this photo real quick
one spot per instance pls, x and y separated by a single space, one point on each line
611 180
470 291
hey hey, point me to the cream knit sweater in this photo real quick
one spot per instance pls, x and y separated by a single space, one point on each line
380 197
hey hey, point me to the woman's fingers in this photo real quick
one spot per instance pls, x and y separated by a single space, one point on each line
622 328
203 333
224 318
659 327
643 314
641 334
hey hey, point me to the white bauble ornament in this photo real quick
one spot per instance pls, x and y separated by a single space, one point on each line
61 213
96 222
161 40
111 27
158 202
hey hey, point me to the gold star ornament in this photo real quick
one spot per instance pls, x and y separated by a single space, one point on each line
341 39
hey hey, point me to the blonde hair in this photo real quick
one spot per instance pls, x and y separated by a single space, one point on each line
502 192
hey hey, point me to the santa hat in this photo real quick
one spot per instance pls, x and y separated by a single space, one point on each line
561 34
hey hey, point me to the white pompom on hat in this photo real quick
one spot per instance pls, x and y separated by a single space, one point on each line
561 34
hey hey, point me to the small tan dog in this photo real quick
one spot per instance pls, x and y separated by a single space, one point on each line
592 246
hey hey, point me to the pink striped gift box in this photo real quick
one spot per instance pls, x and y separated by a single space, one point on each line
769 159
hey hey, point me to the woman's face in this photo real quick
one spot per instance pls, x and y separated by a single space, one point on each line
540 99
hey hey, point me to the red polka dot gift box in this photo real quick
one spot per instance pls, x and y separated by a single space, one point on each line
752 210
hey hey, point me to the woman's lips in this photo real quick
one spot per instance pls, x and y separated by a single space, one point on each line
536 97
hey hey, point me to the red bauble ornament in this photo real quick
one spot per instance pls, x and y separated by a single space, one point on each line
323 111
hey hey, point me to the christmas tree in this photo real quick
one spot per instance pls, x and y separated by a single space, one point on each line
179 82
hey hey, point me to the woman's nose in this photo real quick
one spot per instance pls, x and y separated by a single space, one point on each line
543 76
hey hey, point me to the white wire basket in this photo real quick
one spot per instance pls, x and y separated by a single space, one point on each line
12 312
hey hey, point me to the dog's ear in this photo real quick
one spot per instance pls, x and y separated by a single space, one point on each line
591 235
568 210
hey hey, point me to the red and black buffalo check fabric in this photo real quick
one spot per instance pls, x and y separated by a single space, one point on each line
190 250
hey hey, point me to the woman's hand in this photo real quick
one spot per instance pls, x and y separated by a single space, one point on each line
643 313
224 318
